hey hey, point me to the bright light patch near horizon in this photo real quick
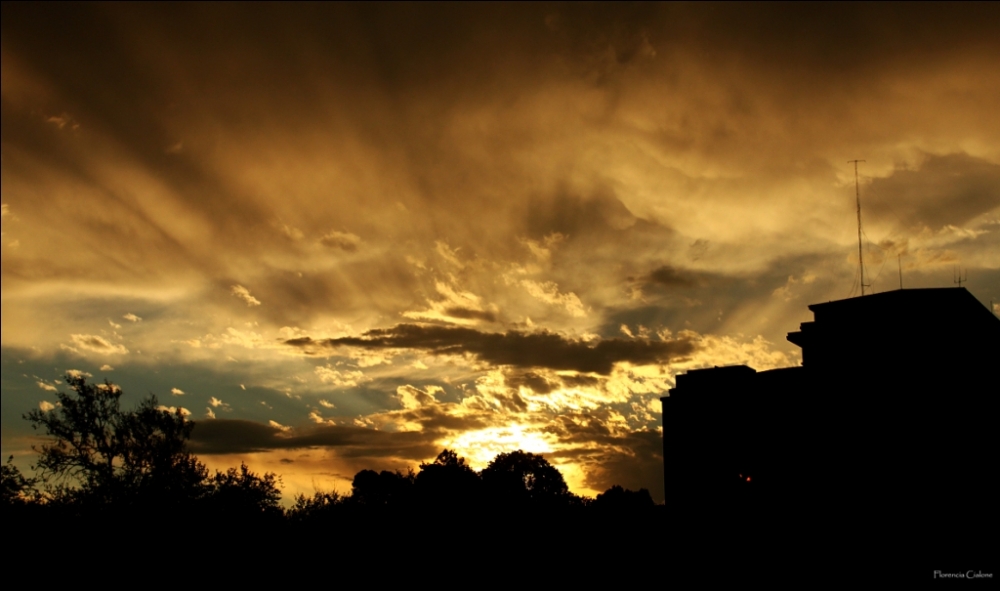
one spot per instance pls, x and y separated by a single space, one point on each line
481 446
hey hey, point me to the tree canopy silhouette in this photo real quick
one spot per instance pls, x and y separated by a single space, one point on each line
106 454
381 489
242 493
15 489
617 498
448 480
525 478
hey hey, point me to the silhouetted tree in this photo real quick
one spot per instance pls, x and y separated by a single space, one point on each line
382 489
520 478
15 488
322 506
103 454
241 492
617 498
448 480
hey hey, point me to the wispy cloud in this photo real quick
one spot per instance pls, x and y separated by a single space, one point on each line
548 292
276 425
244 294
217 403
339 379
291 232
175 410
340 240
96 344
62 121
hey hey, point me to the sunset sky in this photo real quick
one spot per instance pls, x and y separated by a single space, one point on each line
349 236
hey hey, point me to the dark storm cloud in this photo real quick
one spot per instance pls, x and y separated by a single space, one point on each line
93 61
438 420
540 349
573 215
220 436
352 286
235 436
834 34
951 189
580 381
580 429
372 74
535 382
469 314
670 277
716 298
273 52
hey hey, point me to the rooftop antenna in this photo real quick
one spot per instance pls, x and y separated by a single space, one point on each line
857 195
959 279
899 263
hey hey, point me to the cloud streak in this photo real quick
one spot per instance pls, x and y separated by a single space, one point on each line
518 349
223 436
96 344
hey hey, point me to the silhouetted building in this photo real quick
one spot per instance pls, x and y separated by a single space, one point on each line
891 413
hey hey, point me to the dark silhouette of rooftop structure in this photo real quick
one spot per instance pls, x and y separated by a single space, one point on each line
891 415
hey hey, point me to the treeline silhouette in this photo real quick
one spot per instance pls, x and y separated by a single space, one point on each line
103 469
115 493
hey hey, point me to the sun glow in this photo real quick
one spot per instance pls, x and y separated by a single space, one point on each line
481 446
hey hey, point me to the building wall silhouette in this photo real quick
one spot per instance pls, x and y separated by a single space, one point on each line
891 413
